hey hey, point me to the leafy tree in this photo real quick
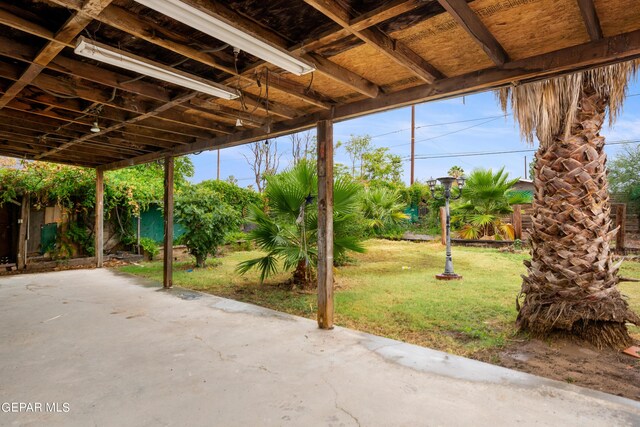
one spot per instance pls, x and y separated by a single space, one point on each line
206 218
356 147
570 286
456 171
237 198
287 228
487 197
623 173
380 165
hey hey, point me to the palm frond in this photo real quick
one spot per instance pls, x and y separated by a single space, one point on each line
267 265
547 108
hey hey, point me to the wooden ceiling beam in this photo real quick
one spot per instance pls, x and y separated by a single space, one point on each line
129 23
74 25
376 38
607 51
590 18
141 137
86 71
158 110
126 102
221 11
13 21
376 16
212 107
50 144
156 128
35 146
469 20
50 129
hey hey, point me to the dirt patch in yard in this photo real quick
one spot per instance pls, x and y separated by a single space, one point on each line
575 363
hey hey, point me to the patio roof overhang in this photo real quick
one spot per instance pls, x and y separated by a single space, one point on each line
368 56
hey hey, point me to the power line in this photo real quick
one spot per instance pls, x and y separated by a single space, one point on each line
439 124
453 123
489 153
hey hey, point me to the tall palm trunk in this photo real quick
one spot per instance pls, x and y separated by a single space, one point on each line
571 282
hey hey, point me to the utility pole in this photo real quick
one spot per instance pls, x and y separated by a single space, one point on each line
413 142
218 174
525 167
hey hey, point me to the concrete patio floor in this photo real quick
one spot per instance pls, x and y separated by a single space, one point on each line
119 351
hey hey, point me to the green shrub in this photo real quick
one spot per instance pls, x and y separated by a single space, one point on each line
206 218
238 241
149 246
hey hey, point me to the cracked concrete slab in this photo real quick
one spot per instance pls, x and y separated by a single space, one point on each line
119 351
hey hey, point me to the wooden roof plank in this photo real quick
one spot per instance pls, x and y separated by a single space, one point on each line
602 52
394 49
127 22
74 25
160 109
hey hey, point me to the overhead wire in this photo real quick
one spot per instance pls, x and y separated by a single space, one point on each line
488 153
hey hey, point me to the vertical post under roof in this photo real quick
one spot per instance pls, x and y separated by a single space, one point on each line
23 232
325 224
167 279
99 216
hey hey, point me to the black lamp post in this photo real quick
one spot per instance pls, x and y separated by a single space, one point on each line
447 182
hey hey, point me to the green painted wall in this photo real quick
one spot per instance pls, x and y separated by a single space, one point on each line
152 225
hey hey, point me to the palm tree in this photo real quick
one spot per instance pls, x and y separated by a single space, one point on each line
287 228
382 207
571 285
455 171
487 197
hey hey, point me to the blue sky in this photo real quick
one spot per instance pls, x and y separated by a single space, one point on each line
480 127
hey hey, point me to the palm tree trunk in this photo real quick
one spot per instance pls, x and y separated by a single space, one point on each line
571 285
303 276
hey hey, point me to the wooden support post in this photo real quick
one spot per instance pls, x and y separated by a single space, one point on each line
99 214
517 222
22 233
443 225
621 220
325 224
413 144
167 278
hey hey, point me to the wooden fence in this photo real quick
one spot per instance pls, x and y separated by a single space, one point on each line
625 216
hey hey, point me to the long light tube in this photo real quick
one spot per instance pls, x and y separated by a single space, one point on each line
221 30
118 58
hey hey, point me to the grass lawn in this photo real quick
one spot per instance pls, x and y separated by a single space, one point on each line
391 291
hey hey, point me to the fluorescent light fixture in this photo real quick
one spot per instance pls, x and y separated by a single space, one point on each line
138 64
225 31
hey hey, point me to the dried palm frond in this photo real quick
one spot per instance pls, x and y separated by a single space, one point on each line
547 108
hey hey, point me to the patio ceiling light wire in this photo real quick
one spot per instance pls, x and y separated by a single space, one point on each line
180 62
90 110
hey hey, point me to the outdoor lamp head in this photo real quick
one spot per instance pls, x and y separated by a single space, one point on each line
460 181
432 184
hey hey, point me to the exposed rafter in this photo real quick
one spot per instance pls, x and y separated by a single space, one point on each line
129 23
387 11
606 51
590 18
154 112
467 18
374 37
74 25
